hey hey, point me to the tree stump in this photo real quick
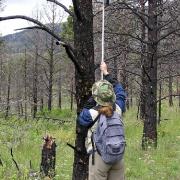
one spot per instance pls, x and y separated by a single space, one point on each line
48 158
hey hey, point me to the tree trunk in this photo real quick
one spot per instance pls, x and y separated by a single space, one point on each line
124 76
42 104
160 92
72 95
25 86
83 41
1 78
143 50
59 90
150 70
51 70
48 158
8 96
35 81
131 96
170 87
178 92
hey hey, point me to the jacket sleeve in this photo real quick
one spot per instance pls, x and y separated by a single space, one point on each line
119 91
85 117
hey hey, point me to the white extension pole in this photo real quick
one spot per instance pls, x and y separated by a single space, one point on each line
102 60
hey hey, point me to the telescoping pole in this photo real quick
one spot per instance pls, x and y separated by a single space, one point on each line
102 58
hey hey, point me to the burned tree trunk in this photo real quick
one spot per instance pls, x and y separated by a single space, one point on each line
48 159
83 41
150 70
25 86
160 92
143 50
170 87
72 95
59 90
35 82
8 96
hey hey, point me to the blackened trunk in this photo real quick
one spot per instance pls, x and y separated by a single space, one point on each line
124 76
25 86
143 50
59 90
115 69
72 94
150 70
131 96
83 41
170 90
48 158
42 104
160 92
51 71
35 81
8 96
177 87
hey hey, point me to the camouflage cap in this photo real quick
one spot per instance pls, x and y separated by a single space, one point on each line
103 93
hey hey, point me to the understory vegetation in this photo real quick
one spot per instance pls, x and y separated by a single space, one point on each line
25 139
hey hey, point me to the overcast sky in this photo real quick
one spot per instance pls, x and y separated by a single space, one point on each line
21 7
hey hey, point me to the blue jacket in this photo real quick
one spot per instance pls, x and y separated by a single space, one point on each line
85 117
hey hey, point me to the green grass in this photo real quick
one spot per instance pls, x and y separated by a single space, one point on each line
25 137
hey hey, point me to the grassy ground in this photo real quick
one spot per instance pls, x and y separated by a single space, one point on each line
25 138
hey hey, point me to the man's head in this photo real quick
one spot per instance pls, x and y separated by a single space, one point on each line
103 93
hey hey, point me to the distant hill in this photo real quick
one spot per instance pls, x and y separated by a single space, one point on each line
19 40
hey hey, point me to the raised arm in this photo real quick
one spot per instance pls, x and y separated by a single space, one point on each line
118 89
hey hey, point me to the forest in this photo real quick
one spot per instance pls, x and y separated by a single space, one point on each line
47 70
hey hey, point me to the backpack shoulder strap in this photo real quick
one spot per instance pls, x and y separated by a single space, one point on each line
95 120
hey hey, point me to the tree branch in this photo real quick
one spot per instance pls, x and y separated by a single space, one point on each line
40 25
71 55
168 54
130 35
64 7
14 160
136 13
166 35
68 48
173 95
77 10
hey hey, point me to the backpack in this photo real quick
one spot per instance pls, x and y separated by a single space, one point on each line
109 138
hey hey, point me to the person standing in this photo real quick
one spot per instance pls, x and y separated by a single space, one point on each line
104 108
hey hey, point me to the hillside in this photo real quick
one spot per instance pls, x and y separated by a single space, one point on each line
19 40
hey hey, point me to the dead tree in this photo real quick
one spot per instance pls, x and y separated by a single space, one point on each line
48 158
82 57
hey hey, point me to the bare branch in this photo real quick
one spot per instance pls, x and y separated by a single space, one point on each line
77 10
135 12
173 95
68 48
127 34
168 54
71 55
175 75
64 7
168 34
14 160
41 26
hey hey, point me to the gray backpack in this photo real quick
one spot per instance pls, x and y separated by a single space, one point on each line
109 138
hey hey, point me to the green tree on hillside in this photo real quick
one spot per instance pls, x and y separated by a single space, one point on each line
67 29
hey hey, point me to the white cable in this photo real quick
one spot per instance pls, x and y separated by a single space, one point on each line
102 60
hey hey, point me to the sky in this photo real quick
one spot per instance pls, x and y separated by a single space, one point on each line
22 7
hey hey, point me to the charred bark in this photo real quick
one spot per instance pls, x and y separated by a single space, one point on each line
150 70
8 96
83 41
35 81
48 159
143 50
